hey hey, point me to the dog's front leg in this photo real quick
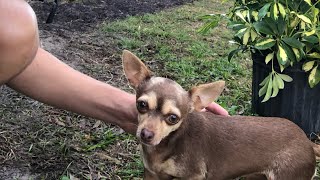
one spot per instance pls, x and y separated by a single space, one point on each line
255 177
149 175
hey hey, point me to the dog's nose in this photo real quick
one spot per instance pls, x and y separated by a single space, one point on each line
146 135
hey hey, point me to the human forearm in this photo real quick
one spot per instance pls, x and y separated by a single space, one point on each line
50 81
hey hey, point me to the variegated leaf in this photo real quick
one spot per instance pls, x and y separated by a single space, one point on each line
240 15
282 10
304 18
253 35
275 11
314 77
241 32
312 32
282 56
246 36
297 54
255 15
308 66
308 1
265 43
269 57
314 55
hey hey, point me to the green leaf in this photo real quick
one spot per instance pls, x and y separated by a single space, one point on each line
282 26
285 77
272 24
311 39
279 81
314 55
304 18
308 1
269 91
213 21
205 28
269 57
265 43
307 66
263 90
275 88
65 178
265 80
264 10
293 42
232 53
236 26
262 27
314 77
282 56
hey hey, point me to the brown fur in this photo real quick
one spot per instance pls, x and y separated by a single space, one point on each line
203 145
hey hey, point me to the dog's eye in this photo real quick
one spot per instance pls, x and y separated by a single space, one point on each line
142 106
172 119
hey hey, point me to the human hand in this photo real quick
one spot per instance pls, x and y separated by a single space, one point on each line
216 109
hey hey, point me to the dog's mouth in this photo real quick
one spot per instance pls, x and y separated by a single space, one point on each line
148 143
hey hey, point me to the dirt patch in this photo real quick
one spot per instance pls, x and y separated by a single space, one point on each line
41 142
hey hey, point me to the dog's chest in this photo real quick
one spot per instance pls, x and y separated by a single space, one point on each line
155 163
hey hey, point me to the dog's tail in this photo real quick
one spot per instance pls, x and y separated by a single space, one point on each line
316 149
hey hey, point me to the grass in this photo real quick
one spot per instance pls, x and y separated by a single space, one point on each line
171 39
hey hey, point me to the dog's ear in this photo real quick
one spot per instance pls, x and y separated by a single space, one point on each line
205 94
134 69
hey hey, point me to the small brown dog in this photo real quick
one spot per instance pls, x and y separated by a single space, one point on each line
180 142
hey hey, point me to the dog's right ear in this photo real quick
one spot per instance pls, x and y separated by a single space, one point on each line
205 94
134 69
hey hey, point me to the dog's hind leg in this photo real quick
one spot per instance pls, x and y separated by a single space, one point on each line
303 173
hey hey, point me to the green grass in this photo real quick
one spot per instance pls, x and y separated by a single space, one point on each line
171 39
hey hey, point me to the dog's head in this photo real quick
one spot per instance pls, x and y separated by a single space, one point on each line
162 103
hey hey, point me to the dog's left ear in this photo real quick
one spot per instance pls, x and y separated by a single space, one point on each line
134 69
205 94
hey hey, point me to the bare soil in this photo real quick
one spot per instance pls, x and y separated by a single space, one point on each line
42 142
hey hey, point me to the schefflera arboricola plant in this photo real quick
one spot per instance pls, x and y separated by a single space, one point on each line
285 32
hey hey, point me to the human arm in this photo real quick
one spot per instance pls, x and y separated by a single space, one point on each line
51 81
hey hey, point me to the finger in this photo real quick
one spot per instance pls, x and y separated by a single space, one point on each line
217 109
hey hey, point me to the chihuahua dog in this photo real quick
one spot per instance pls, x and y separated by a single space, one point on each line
181 142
